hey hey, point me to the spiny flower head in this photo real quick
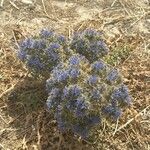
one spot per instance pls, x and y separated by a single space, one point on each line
47 33
121 95
35 63
72 91
96 95
81 107
113 76
62 39
91 33
74 72
93 79
75 60
98 66
111 111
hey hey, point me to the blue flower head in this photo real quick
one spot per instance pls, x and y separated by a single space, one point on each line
38 44
96 95
53 46
93 79
112 76
35 63
55 92
111 111
98 66
102 48
121 94
90 33
74 60
22 55
95 120
61 39
65 93
26 44
72 91
61 76
52 54
74 72
79 44
46 33
81 107
52 102
70 105
50 84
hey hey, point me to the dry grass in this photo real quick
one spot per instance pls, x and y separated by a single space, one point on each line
24 122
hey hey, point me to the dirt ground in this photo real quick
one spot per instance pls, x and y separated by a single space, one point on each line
24 123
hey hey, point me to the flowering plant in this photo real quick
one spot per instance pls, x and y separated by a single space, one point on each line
89 43
43 52
82 88
82 94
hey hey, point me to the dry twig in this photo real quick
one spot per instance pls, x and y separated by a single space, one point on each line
4 120
14 5
113 3
12 87
124 7
139 19
45 11
2 2
8 90
129 121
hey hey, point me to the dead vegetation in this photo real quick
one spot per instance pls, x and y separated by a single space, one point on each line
24 121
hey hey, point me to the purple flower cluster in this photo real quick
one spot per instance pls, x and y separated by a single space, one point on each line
81 107
96 95
61 39
91 34
35 63
92 80
113 76
72 91
121 95
47 33
111 111
74 72
74 60
89 43
42 53
84 96
82 88
98 66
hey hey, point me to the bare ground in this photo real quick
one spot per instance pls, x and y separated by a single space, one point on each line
24 124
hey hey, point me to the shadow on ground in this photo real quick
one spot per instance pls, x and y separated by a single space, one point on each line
34 125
